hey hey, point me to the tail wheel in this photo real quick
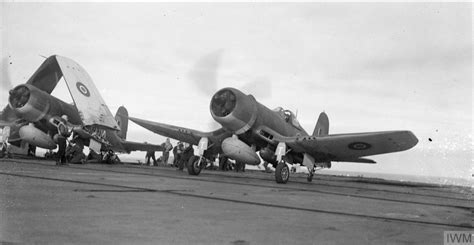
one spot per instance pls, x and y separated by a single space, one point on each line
282 173
194 165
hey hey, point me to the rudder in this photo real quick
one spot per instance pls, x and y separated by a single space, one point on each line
122 120
322 126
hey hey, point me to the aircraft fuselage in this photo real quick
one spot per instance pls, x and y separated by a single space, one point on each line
252 122
38 107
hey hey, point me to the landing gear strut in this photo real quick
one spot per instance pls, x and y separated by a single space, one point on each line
310 176
282 173
311 173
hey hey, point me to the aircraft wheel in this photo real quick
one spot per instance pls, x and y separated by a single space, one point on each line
282 173
194 165
310 177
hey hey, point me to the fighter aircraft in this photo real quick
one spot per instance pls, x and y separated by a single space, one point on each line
33 114
248 127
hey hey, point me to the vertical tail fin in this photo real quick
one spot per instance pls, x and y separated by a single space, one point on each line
122 120
322 126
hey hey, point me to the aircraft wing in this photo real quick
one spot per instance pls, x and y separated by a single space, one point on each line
135 146
88 101
7 117
351 147
47 76
182 134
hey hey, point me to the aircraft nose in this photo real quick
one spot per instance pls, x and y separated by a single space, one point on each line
223 102
19 96
234 110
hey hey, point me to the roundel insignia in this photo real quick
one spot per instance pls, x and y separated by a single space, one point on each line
83 89
359 146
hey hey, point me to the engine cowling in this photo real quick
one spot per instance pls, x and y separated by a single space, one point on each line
32 104
239 151
234 110
29 103
33 136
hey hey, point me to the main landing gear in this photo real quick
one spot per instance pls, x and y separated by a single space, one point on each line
195 164
282 173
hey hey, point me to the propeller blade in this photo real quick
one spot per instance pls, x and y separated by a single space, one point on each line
204 72
5 83
260 88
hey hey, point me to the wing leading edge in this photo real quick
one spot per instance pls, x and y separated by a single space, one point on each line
183 134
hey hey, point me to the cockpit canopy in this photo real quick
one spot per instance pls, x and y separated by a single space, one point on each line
288 116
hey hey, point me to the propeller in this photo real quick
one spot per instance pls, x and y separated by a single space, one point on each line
7 116
6 82
260 87
204 75
204 72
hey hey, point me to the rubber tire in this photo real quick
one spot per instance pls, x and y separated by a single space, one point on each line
282 167
309 178
192 170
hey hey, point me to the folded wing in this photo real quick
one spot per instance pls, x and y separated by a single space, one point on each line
86 97
88 101
47 76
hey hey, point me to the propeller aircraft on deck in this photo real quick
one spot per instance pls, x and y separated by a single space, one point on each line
33 114
249 127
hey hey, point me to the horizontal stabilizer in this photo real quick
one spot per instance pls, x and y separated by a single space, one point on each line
135 146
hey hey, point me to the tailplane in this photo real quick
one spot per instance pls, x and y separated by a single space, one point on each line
122 120
322 126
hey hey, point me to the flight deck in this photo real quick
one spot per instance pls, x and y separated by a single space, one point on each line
132 204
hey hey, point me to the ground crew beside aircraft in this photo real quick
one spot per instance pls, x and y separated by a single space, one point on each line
150 154
177 152
167 147
61 138
75 150
188 152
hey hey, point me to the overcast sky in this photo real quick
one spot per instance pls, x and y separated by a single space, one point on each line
371 66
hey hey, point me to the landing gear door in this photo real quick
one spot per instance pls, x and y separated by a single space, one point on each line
308 161
202 146
280 151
